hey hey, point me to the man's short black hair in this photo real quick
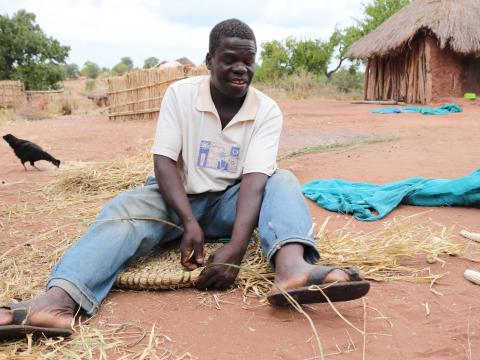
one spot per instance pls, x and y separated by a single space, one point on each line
229 28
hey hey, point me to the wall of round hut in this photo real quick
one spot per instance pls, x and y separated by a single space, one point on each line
403 76
427 51
446 71
420 72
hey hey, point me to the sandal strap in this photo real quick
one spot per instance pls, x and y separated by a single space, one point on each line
20 314
318 275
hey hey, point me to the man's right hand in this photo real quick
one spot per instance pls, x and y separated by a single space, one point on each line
191 246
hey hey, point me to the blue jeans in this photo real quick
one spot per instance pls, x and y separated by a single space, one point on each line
88 270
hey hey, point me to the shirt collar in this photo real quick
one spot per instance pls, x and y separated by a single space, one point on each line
249 108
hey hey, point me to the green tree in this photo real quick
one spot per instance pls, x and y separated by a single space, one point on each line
311 55
90 70
125 65
120 69
127 60
150 62
275 61
281 58
28 55
71 70
347 80
377 11
374 14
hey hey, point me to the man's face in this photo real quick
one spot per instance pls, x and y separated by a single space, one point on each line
232 66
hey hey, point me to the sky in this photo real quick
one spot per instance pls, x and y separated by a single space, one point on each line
104 31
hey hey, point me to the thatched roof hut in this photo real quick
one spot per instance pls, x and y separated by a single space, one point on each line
186 62
428 50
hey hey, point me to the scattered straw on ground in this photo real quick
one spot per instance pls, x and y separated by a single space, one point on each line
397 251
119 341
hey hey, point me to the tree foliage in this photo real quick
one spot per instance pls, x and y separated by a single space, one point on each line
347 80
28 55
280 58
90 70
323 58
374 14
125 65
71 70
150 62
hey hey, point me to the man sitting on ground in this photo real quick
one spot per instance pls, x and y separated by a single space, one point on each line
215 167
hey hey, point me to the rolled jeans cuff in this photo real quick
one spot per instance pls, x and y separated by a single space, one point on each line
83 298
311 253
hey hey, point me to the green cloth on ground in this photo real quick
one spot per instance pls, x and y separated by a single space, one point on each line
442 110
368 202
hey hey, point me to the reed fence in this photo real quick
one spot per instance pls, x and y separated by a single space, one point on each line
138 95
11 94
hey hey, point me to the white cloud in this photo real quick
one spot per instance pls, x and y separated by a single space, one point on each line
103 31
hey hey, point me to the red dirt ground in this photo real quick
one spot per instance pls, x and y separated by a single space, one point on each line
429 146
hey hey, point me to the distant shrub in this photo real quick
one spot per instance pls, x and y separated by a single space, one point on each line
300 84
90 70
347 80
90 84
66 107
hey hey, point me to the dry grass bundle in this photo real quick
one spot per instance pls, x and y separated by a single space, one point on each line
103 179
398 251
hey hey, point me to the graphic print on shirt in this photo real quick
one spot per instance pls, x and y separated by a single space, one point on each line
220 156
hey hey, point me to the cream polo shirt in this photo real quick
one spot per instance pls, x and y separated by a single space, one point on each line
208 158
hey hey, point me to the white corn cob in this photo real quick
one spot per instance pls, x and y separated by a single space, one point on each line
470 236
473 276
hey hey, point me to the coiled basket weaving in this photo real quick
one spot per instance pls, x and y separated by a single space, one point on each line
161 268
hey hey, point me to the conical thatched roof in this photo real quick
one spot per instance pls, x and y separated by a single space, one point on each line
185 61
455 23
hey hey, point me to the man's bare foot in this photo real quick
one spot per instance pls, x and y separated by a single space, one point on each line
292 271
54 309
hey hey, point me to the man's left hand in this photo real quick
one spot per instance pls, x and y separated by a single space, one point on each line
221 276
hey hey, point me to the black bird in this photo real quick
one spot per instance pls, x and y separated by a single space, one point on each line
27 151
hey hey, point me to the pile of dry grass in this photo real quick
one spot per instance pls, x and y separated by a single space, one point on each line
402 249
397 251
102 179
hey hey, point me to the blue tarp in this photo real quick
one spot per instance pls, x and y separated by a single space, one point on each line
442 110
368 202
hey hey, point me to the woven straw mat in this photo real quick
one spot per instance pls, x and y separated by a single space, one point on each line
161 269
